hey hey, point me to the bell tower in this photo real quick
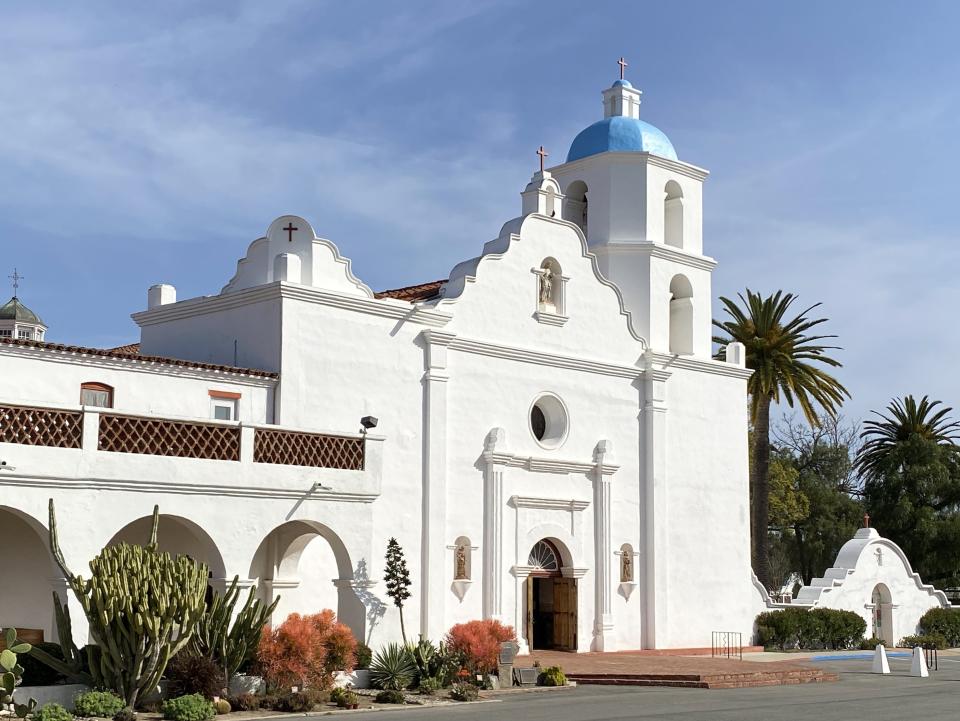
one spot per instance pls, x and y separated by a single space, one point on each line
640 208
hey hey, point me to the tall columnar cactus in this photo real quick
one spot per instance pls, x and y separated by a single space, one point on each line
11 672
230 645
141 605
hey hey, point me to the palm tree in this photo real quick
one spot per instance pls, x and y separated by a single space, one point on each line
906 419
781 356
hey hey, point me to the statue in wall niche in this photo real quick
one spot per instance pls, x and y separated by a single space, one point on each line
546 286
460 563
626 567
879 553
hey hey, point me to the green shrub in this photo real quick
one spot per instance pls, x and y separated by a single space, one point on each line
103 704
363 656
464 692
943 622
125 714
336 692
869 644
36 673
245 702
933 640
801 628
552 676
392 668
429 686
391 696
348 699
52 712
193 707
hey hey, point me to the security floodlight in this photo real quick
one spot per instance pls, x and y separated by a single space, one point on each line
4 466
368 422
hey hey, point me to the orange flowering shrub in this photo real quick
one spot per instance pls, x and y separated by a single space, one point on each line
305 651
479 642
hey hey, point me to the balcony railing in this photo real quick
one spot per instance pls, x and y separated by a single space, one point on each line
222 441
41 427
292 448
159 437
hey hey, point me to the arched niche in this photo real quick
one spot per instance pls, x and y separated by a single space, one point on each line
681 315
881 602
628 573
550 282
462 559
575 206
673 214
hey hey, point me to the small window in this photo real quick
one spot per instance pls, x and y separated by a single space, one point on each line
224 406
98 395
6 333
24 334
548 421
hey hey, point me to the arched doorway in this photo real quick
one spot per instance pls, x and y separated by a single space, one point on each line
551 601
307 565
26 602
882 605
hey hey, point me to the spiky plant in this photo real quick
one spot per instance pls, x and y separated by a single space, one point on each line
398 580
905 418
787 363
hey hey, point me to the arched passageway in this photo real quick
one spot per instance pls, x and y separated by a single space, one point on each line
26 599
882 604
308 566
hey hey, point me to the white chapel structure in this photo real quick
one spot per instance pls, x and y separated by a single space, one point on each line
545 431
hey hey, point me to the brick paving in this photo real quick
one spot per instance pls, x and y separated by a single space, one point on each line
642 669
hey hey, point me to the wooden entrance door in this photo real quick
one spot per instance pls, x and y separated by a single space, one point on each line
565 614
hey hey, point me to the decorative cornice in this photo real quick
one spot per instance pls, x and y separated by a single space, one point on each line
546 318
550 504
382 307
656 250
16 479
573 571
677 166
546 465
715 367
526 355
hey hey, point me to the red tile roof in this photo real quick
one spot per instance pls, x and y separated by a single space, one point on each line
128 349
128 355
413 293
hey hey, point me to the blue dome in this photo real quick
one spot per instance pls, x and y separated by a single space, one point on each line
621 83
621 134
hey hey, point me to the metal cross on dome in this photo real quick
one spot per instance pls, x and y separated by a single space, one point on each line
543 154
16 278
290 228
866 520
623 64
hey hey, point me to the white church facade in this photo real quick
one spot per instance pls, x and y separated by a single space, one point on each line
545 431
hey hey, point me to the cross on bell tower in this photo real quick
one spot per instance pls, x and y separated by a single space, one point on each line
623 65
16 278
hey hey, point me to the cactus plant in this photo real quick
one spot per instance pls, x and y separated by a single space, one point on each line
229 645
11 672
141 605
72 665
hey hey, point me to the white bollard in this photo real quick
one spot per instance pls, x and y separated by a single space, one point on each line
919 665
880 662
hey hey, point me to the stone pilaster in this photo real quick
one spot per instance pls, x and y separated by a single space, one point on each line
492 527
603 619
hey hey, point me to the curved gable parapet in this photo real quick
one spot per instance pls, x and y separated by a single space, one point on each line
292 252
857 554
495 250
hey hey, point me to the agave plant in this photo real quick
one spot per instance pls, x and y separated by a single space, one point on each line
392 668
905 418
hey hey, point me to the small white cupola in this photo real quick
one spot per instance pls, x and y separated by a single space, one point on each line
542 194
621 100
16 320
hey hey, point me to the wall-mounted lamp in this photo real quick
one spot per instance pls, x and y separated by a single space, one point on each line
368 422
319 487
4 466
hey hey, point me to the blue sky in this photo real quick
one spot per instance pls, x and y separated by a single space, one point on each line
142 143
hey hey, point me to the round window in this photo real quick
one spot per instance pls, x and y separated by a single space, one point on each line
548 421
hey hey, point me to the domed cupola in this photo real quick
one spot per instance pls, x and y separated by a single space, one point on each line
17 321
621 129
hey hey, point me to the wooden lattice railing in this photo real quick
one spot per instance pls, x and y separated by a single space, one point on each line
317 450
156 437
41 427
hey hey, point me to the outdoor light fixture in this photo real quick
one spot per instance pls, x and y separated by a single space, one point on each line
319 487
5 467
368 422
